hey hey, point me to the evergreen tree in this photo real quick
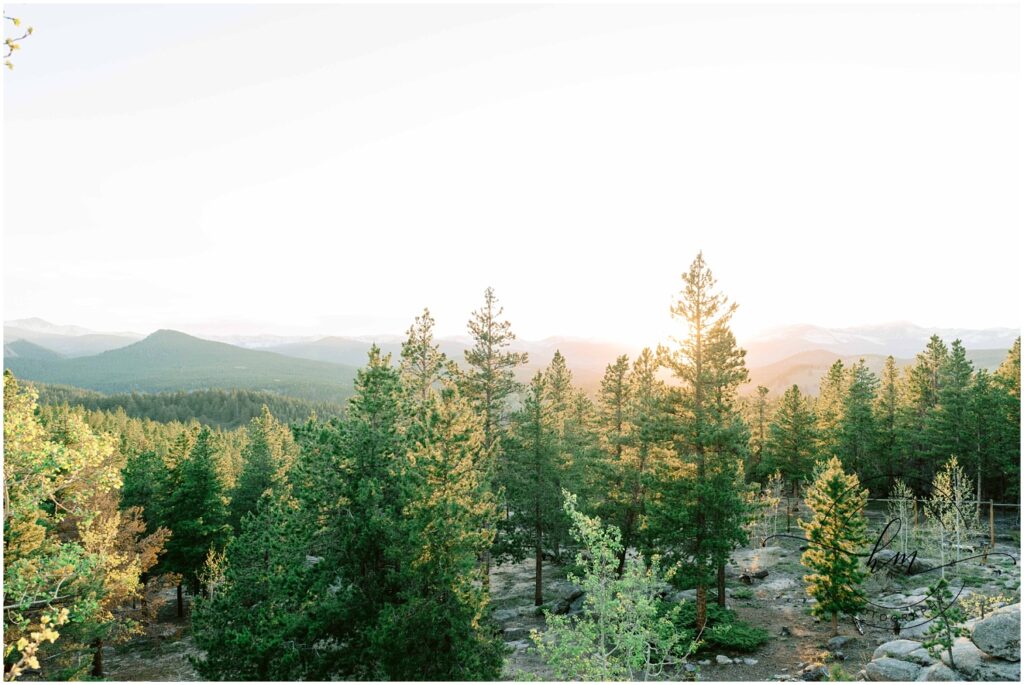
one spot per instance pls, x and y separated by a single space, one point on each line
760 436
829 408
255 624
145 481
531 479
948 425
1007 382
791 448
490 379
985 428
488 384
436 629
857 433
889 422
700 511
195 511
423 364
923 382
266 459
835 536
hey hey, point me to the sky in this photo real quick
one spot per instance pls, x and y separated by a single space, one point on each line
334 169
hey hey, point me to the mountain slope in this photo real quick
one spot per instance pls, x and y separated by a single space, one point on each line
169 360
28 350
806 369
899 339
76 345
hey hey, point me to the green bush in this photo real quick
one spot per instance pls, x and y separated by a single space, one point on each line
742 593
723 630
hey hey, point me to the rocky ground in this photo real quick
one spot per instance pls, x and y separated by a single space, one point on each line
802 647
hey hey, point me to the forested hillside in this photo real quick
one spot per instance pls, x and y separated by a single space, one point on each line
366 544
223 408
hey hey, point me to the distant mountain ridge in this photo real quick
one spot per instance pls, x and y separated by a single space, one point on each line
899 339
323 368
170 360
806 369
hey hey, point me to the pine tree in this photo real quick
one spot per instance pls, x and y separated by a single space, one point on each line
835 537
145 480
423 364
490 379
889 421
1007 380
829 407
195 511
266 459
947 426
760 437
436 630
488 384
531 479
792 447
857 433
923 383
255 623
700 512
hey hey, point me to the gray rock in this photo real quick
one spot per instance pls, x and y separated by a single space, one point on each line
921 656
897 649
814 673
684 595
519 645
515 634
838 642
505 614
998 634
704 662
888 668
722 660
885 560
937 672
750 662
689 668
977 665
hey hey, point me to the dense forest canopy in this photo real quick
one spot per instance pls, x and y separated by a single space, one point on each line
311 541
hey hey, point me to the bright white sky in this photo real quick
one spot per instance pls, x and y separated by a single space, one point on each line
334 169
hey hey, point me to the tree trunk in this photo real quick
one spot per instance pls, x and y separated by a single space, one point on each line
835 623
181 603
487 570
702 607
538 591
721 585
97 659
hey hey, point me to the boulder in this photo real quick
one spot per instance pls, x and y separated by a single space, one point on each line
515 634
839 641
564 605
897 649
814 673
722 660
888 668
977 665
937 672
998 634
501 615
921 656
886 560
750 662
